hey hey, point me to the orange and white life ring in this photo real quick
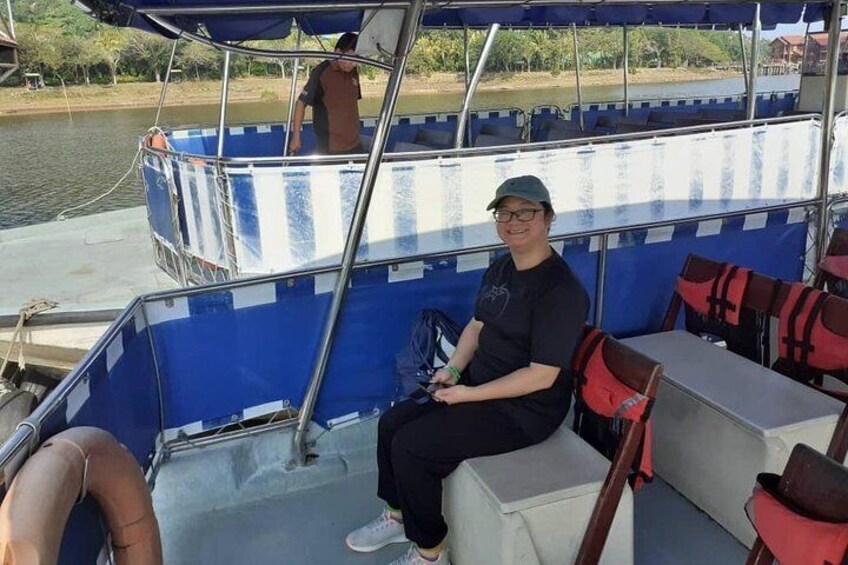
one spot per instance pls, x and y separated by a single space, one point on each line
78 461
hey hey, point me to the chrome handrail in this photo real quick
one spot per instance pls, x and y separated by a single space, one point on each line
717 97
313 271
502 149
447 113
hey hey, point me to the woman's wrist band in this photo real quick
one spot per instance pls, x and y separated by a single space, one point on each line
454 373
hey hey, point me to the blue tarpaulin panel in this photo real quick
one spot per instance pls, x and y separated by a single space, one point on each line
641 276
245 26
119 394
157 193
222 358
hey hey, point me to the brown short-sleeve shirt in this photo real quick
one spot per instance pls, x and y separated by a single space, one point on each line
333 95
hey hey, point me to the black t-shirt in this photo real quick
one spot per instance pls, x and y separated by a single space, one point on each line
537 316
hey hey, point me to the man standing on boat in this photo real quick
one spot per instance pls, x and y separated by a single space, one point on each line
333 92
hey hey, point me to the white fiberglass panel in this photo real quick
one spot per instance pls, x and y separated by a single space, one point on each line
298 216
839 156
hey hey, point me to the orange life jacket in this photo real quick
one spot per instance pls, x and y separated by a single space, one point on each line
794 539
805 342
607 396
719 297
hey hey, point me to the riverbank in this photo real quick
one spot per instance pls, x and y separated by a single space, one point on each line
17 101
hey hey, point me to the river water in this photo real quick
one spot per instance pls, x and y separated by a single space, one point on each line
49 162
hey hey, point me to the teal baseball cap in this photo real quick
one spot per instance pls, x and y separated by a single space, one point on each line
527 187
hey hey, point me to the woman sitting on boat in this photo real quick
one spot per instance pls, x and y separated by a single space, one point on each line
507 385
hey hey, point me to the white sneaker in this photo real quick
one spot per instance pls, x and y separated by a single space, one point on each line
377 534
412 557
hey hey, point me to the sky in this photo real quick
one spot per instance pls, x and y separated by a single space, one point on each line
790 29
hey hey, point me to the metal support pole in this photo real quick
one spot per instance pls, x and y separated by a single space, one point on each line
11 21
577 70
406 39
752 73
804 52
602 277
292 97
626 71
269 53
221 176
222 114
833 31
165 84
467 71
472 86
744 57
467 56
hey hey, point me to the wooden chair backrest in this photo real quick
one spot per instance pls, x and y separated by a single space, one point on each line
642 374
758 298
814 484
838 246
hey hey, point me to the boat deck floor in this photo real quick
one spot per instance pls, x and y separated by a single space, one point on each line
97 262
309 527
260 514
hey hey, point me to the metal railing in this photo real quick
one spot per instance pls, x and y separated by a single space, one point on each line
603 104
185 267
477 151
27 437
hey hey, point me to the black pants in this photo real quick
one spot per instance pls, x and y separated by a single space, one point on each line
357 150
420 444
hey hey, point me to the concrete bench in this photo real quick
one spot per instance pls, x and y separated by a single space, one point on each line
532 506
721 419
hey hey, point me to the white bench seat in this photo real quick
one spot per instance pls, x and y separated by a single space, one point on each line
532 506
720 419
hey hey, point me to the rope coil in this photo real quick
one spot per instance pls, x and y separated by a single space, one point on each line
24 315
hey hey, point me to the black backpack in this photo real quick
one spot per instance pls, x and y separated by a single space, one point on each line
432 340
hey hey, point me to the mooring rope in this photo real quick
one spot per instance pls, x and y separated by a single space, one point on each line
24 315
61 215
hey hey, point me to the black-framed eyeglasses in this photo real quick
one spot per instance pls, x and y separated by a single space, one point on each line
524 215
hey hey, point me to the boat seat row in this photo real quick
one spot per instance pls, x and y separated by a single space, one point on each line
558 501
493 135
721 418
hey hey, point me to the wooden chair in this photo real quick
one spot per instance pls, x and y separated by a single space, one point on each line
747 339
816 486
838 447
765 297
830 273
642 375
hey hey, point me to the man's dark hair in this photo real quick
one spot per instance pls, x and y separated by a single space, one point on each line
346 42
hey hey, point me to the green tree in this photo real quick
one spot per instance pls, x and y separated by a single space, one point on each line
198 57
152 51
113 43
38 49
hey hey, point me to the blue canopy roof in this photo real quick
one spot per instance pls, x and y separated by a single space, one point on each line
243 20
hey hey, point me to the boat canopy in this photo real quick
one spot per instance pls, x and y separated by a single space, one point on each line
244 20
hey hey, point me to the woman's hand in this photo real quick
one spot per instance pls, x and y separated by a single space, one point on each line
455 394
443 377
